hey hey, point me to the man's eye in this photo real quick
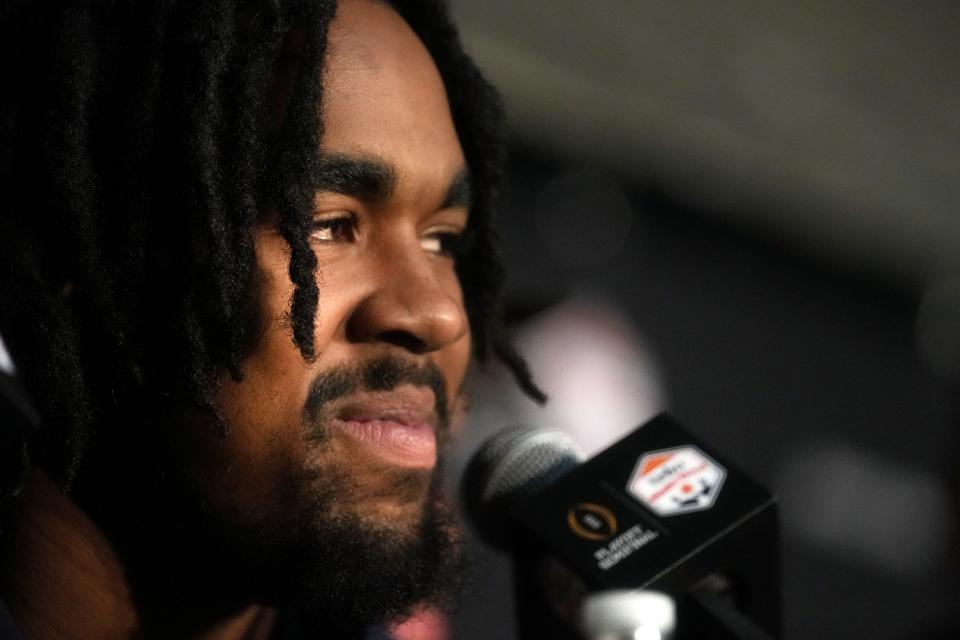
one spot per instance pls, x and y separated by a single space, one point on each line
443 243
335 228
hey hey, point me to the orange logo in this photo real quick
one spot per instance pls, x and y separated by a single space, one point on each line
592 521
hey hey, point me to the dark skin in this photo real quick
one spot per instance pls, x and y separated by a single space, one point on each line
76 564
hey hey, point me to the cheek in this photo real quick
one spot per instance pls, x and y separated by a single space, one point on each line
247 467
243 475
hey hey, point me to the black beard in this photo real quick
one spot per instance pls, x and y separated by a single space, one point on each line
349 572
331 570
352 575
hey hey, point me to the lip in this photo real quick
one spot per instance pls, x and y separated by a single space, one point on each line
398 426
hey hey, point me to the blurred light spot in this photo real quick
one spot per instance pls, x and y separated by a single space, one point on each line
938 330
583 218
6 362
617 614
601 378
868 508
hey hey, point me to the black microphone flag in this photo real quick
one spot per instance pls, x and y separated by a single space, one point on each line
658 510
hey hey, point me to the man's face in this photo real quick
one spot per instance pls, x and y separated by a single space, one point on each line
351 438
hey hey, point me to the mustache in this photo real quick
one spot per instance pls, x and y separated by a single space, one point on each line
380 374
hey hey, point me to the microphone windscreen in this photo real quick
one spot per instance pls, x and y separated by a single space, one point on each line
512 465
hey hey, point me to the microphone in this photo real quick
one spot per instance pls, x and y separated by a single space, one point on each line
512 466
657 511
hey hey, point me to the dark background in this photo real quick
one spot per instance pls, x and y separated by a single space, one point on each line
767 195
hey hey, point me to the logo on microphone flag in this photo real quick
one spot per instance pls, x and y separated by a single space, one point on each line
676 480
592 521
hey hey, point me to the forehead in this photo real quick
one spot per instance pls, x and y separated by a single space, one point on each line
383 94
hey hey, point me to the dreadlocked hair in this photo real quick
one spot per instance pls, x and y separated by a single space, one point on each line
139 144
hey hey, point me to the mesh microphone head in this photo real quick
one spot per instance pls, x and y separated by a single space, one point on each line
512 465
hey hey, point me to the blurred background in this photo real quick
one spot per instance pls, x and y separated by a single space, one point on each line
746 213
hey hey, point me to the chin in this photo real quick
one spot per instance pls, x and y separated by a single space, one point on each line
380 495
362 570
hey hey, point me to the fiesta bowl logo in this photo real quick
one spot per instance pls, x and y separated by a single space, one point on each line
592 521
678 480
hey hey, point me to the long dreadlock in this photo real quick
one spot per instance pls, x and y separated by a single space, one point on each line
139 144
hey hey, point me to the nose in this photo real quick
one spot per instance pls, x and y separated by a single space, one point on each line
412 306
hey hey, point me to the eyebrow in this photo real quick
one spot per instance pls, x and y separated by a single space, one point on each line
372 179
365 178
